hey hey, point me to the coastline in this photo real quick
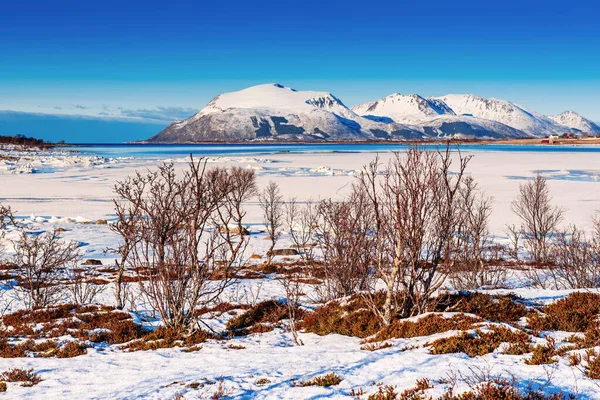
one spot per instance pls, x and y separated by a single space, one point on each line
527 141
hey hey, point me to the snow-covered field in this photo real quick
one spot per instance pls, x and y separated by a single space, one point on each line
73 191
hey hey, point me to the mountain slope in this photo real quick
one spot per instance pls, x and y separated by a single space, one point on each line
502 111
273 112
434 116
410 108
268 112
573 120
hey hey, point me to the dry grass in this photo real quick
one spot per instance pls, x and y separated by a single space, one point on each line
480 343
330 379
259 318
425 326
167 338
26 376
576 313
495 308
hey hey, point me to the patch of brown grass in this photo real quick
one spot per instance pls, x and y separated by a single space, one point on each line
425 326
576 313
26 376
166 338
479 343
494 308
269 311
330 379
343 320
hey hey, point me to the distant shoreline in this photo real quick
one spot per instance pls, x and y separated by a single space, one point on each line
536 141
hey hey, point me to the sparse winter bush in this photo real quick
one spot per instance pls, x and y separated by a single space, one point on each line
187 230
576 260
80 289
271 203
539 218
41 261
415 213
347 245
473 259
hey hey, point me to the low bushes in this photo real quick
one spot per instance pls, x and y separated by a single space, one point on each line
425 326
26 376
494 308
255 320
576 313
480 343
166 338
332 318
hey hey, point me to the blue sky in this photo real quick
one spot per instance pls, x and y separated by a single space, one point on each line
150 62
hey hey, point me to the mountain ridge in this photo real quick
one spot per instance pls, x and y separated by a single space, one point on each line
273 112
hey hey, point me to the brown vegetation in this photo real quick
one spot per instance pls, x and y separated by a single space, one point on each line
480 343
26 376
576 313
330 379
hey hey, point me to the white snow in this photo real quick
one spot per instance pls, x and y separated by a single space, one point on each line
73 197
502 111
573 120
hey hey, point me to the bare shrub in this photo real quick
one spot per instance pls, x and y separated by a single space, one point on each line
271 203
539 218
576 260
41 261
6 217
472 263
80 289
415 216
302 223
346 244
187 230
513 234
125 226
293 293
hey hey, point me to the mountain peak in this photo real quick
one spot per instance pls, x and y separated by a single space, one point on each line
573 120
404 108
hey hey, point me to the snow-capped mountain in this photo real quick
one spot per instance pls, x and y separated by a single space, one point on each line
575 121
275 112
504 112
401 108
267 111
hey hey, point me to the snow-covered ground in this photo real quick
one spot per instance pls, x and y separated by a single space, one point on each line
75 192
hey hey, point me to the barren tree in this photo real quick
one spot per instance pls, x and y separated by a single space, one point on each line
127 208
514 239
302 223
414 206
6 219
539 218
81 290
41 261
271 203
576 260
182 234
293 293
472 265
347 244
